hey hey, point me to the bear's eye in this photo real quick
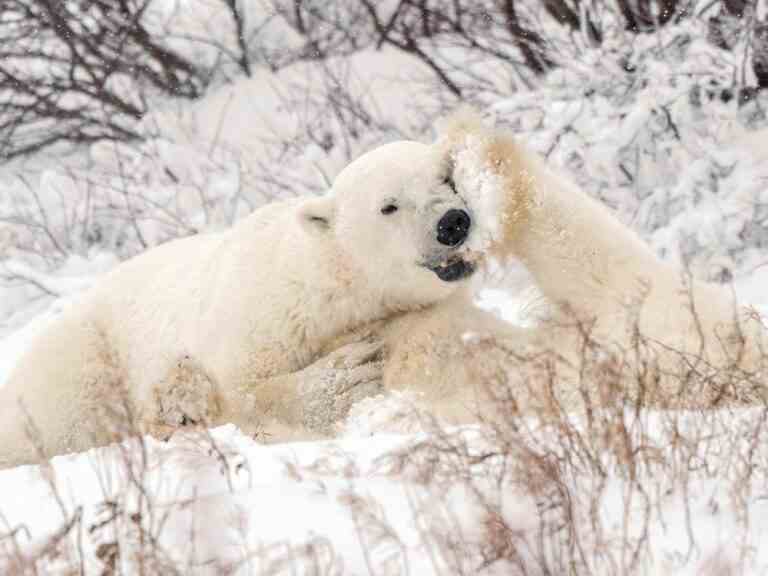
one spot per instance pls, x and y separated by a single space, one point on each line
389 209
448 181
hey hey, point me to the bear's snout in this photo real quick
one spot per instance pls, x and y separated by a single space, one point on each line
453 227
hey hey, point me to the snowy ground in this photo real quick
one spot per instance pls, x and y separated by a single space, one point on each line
341 507
689 173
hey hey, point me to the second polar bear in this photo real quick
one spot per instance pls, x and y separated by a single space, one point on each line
226 327
614 306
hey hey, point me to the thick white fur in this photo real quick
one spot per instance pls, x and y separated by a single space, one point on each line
220 327
604 284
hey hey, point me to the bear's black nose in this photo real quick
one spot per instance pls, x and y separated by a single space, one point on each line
453 227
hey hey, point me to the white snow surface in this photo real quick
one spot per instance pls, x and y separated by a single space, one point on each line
207 503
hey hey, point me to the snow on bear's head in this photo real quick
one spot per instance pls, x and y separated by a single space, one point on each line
396 215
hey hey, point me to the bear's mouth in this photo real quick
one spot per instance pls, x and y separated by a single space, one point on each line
453 269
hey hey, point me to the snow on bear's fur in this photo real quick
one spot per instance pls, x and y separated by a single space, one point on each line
226 327
602 283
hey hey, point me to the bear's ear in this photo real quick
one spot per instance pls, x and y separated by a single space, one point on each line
316 214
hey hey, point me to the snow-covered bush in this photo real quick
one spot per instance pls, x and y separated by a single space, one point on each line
79 71
654 129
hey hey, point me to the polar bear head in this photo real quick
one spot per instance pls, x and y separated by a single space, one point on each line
396 215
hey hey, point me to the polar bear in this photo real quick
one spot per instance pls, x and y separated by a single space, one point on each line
226 327
612 305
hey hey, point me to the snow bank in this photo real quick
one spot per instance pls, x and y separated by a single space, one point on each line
213 502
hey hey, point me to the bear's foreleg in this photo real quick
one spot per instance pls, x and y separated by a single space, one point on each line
311 401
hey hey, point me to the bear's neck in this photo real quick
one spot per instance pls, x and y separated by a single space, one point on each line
580 254
340 299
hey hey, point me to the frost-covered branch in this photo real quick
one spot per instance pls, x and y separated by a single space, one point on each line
76 72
